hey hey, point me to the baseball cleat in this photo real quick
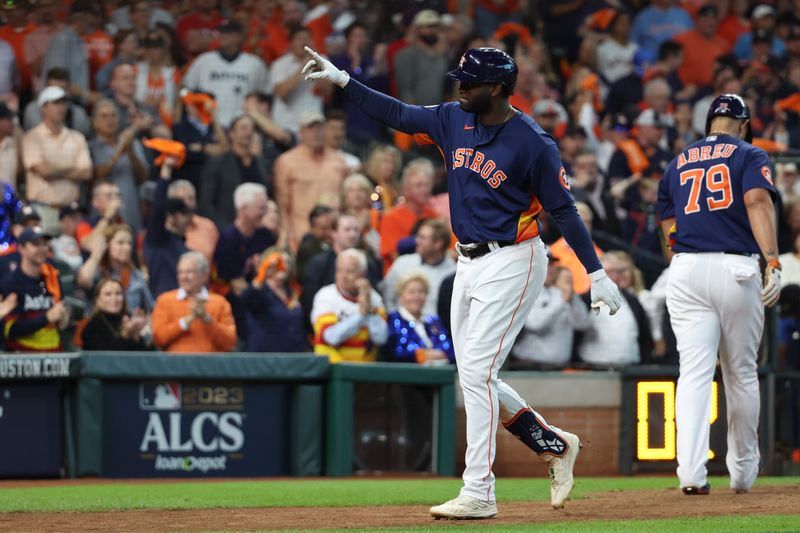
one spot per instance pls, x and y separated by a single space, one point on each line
465 508
561 480
697 491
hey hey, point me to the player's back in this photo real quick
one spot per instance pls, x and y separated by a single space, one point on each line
703 189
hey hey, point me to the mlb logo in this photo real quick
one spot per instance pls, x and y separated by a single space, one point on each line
160 396
723 106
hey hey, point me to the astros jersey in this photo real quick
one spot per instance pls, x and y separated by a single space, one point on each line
229 81
499 177
703 189
331 307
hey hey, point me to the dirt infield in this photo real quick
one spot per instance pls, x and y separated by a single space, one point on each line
598 506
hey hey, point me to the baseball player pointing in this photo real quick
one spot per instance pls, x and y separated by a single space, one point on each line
503 169
715 200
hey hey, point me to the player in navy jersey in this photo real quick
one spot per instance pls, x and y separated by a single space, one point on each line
716 203
503 170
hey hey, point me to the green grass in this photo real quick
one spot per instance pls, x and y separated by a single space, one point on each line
282 493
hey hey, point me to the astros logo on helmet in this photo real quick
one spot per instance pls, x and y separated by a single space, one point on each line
486 65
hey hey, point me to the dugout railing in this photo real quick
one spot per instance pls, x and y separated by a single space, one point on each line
152 414
157 415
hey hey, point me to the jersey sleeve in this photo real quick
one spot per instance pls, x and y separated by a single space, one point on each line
757 173
410 119
548 179
665 205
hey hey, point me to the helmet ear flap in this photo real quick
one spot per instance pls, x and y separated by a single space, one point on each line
748 133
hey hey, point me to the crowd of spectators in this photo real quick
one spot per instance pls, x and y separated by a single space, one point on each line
289 221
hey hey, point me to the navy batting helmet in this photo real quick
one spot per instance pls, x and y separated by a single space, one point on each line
732 106
486 65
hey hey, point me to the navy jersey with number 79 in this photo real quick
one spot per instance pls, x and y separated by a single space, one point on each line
703 189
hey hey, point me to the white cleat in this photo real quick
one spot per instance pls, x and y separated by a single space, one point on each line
465 508
561 480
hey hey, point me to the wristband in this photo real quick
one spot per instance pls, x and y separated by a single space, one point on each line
774 263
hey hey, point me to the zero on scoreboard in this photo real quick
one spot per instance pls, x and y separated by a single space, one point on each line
661 420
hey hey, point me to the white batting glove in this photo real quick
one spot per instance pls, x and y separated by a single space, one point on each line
772 286
320 68
604 291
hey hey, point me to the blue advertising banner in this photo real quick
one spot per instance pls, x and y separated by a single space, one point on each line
193 429
30 430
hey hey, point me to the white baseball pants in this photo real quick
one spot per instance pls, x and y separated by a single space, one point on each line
714 301
492 295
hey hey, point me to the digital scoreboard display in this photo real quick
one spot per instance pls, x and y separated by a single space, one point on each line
655 420
648 435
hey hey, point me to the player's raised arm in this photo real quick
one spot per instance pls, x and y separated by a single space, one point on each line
403 117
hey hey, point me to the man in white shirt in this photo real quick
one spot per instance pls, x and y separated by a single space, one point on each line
549 331
293 94
430 259
622 341
228 73
615 54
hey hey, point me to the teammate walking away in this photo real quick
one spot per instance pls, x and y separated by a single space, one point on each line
715 200
503 169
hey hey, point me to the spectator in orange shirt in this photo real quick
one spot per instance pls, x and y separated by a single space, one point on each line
190 319
16 28
273 40
705 47
261 22
735 23
99 45
399 222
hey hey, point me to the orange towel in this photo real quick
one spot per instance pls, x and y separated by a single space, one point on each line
275 261
203 103
167 148
769 146
791 103
513 28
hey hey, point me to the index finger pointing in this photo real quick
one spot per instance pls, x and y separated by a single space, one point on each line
311 52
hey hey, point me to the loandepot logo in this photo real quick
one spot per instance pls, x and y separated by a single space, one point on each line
190 463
